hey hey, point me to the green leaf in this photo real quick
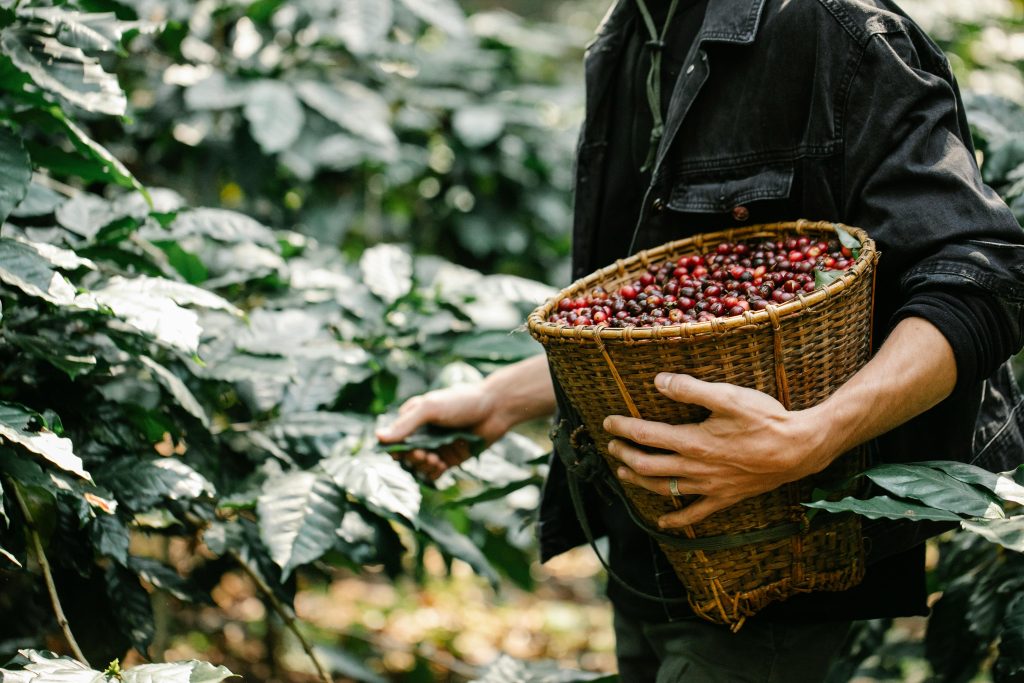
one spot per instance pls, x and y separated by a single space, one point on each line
454 544
362 24
274 114
478 125
1008 532
177 389
110 537
21 427
494 493
53 352
444 14
109 166
46 667
376 480
887 508
39 201
431 438
221 225
188 265
353 106
23 267
848 241
15 172
1009 666
387 271
1004 484
496 346
347 665
935 489
299 513
35 48
823 278
166 578
216 93
133 609
140 484
508 670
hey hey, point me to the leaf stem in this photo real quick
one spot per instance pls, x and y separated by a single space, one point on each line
285 612
44 564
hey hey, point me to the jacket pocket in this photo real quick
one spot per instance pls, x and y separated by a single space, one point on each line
708 194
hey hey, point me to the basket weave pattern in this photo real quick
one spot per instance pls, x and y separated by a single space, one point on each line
799 352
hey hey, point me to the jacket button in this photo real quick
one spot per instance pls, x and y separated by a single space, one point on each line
658 204
741 213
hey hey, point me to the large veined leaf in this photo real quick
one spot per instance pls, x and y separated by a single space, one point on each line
387 271
110 537
15 428
1008 532
181 393
454 544
1009 666
109 166
352 106
299 514
86 214
46 667
15 172
215 93
315 435
154 306
48 47
39 200
166 578
505 669
444 14
140 484
274 114
62 258
1003 484
376 480
24 267
362 24
885 507
935 489
132 608
496 346
220 225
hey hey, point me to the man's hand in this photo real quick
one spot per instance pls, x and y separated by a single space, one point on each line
514 394
749 444
467 406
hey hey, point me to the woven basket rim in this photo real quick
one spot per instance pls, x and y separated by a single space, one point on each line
540 327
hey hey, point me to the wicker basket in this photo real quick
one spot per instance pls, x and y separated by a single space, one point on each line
799 352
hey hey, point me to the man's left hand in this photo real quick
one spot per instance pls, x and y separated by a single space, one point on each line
749 444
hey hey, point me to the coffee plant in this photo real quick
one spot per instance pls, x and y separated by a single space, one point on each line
177 372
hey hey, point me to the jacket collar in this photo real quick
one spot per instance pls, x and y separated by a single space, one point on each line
725 21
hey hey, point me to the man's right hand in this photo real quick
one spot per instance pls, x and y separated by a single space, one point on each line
515 393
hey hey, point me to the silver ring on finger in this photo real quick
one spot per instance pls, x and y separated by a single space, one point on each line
673 486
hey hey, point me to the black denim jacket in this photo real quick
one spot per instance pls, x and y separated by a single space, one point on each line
827 110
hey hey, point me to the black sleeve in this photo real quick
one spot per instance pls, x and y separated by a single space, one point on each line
952 252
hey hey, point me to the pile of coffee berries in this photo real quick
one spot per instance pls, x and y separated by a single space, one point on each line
729 280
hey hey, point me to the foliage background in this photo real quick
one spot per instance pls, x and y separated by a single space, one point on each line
217 370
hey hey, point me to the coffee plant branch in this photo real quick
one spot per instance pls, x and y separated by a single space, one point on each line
44 564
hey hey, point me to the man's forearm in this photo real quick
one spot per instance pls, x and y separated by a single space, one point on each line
913 370
522 391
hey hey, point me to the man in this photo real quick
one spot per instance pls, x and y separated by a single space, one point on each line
707 113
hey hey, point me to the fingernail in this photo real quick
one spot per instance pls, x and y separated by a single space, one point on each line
662 524
661 381
607 423
621 473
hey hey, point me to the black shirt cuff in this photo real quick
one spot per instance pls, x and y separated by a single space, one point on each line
980 336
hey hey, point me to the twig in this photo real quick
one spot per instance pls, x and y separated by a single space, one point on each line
44 564
285 612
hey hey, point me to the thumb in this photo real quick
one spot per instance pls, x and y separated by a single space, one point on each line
715 396
414 414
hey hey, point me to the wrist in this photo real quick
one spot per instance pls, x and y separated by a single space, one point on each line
819 435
